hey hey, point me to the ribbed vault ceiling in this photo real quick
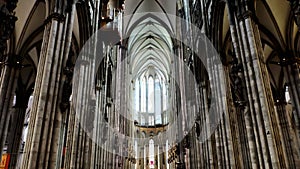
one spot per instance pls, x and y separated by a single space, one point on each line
150 45
149 30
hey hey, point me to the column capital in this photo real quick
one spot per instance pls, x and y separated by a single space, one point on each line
55 16
12 61
247 14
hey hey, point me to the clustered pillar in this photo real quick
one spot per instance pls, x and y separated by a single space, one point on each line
256 130
45 118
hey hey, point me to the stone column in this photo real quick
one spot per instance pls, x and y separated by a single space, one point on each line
261 103
208 144
259 93
17 123
8 85
267 150
233 125
293 76
292 70
286 133
248 146
45 119
8 63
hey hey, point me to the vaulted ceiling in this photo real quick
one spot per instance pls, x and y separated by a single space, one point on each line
279 37
149 29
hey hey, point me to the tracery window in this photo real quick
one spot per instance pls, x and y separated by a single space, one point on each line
150 99
143 97
158 101
151 95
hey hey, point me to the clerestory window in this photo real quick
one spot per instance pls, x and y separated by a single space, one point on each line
150 100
